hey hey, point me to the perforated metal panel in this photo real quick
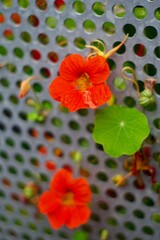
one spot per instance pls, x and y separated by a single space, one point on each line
34 39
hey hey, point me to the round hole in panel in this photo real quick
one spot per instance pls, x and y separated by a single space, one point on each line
3 50
9 34
157 13
60 5
41 4
18 52
79 7
33 20
119 84
150 69
24 3
129 29
79 43
26 37
43 38
35 54
51 22
89 26
140 12
99 8
150 32
7 3
61 41
119 10
109 28
53 57
70 24
157 88
16 18
140 50
2 18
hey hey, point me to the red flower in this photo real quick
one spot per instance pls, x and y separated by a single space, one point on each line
81 83
65 203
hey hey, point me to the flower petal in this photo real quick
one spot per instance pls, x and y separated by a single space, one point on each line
72 67
61 181
48 202
97 68
55 89
82 191
79 215
74 100
100 94
66 93
58 218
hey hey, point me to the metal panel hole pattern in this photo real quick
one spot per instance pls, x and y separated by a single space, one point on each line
35 36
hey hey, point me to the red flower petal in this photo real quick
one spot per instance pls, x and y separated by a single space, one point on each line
58 218
79 215
81 190
66 93
97 68
72 67
100 94
48 202
73 100
61 181
55 89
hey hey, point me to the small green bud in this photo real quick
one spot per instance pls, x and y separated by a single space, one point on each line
146 98
28 192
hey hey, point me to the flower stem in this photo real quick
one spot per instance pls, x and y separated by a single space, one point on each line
113 50
140 182
133 80
123 179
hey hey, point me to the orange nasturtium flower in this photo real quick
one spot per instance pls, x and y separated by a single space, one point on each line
81 83
66 202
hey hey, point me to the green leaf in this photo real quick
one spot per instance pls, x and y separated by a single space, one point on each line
120 130
80 235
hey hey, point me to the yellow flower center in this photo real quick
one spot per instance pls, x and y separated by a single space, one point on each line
68 199
83 82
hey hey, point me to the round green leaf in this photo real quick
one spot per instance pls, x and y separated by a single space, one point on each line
120 130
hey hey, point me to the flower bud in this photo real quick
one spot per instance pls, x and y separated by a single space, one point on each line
119 180
146 98
30 191
25 87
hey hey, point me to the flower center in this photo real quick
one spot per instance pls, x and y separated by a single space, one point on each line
68 199
83 82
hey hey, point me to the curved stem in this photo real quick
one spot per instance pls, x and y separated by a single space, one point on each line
133 80
95 48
